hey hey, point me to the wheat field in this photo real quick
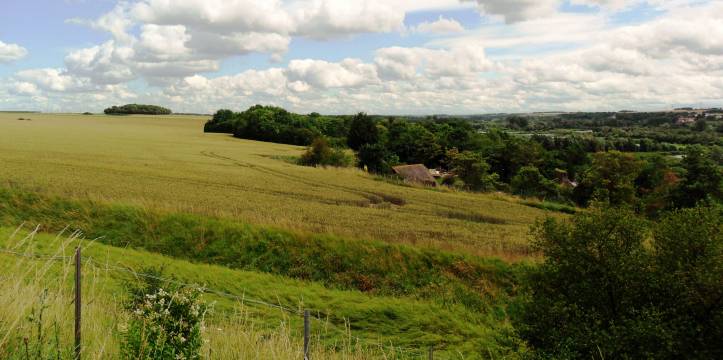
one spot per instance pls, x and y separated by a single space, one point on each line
168 163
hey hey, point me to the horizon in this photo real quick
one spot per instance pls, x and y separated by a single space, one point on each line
443 57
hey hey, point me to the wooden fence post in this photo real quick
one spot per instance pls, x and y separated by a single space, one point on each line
431 353
77 303
307 330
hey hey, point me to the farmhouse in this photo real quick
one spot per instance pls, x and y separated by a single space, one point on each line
416 173
685 120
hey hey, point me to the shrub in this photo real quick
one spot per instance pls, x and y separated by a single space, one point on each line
321 154
165 325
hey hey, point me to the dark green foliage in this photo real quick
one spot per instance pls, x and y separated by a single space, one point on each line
688 265
609 179
376 158
471 168
362 131
222 122
274 124
654 185
137 109
413 143
702 178
531 183
321 154
602 293
518 122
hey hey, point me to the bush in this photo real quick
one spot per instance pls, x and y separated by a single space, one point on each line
164 324
603 293
321 154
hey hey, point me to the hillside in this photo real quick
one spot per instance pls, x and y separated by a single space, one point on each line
167 163
357 325
378 260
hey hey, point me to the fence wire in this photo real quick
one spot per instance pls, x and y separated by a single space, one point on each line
243 299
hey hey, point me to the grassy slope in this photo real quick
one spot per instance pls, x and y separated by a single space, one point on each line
402 321
168 163
374 267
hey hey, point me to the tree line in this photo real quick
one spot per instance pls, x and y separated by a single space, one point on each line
573 169
143 109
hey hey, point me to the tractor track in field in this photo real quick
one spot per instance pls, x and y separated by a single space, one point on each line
369 195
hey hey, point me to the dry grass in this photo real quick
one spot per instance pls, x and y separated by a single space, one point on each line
169 163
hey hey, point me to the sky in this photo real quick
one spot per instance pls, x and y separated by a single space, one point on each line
398 57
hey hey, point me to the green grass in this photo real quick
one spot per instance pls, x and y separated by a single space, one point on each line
168 163
402 321
395 263
370 266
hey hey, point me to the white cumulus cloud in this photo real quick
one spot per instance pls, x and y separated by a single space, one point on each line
11 52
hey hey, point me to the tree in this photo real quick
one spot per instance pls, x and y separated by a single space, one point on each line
413 143
609 179
471 168
607 289
688 248
518 122
363 130
655 183
376 158
700 125
702 178
530 182
221 122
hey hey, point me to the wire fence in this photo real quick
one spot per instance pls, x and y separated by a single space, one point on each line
243 299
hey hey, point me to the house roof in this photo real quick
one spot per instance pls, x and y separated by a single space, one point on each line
415 173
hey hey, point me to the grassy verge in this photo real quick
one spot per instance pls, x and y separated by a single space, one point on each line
373 267
238 329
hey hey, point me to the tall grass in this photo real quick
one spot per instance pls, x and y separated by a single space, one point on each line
37 319
169 164
373 267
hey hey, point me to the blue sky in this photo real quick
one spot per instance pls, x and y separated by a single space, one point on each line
333 56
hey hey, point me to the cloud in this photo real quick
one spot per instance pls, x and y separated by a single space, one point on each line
323 19
52 79
539 58
518 10
407 63
102 64
117 22
323 74
165 41
439 26
11 52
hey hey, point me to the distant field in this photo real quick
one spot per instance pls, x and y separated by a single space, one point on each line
168 163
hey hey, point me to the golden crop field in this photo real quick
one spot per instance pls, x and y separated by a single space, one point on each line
168 163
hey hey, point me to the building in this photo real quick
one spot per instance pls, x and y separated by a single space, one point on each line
682 120
415 173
